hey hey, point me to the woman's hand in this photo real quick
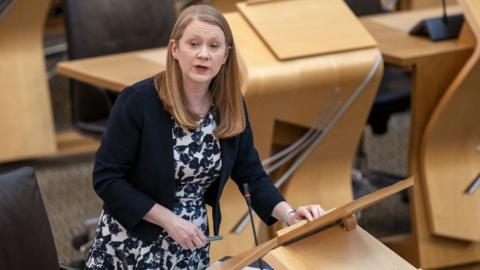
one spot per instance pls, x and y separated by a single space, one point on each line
185 233
308 212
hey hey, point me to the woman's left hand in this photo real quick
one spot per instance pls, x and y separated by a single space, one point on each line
308 212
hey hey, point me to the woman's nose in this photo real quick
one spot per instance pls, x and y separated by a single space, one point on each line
203 52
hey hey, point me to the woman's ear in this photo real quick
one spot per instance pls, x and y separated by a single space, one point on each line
173 48
227 53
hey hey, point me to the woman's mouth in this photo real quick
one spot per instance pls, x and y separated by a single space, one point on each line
201 68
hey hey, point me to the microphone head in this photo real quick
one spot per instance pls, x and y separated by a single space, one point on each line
245 188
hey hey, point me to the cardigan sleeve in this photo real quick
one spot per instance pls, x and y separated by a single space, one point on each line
248 169
115 158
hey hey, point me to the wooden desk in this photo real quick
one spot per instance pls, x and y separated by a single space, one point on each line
433 65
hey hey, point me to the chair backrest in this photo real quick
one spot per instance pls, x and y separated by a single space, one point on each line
5 6
365 7
104 27
26 240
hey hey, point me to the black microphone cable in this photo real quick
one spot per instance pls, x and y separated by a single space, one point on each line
246 194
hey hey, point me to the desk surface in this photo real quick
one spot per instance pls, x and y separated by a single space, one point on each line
115 71
398 47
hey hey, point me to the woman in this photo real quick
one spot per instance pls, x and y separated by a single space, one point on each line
171 144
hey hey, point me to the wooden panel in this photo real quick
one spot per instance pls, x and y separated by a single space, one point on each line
26 121
115 71
293 29
335 248
450 156
344 211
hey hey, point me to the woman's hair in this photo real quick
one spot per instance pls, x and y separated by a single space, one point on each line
224 87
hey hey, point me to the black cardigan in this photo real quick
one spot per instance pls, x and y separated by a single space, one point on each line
134 167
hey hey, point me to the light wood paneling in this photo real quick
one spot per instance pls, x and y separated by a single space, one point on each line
450 156
115 71
300 28
335 248
26 120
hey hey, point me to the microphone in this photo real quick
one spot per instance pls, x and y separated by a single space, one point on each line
246 194
444 7
439 28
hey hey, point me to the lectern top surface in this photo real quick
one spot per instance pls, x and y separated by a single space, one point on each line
301 28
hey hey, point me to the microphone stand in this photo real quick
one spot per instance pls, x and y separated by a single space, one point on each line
440 28
246 194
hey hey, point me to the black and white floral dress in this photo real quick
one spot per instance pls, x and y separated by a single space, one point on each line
197 165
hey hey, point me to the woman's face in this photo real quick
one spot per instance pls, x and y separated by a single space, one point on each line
200 52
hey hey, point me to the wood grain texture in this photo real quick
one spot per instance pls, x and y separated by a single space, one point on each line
247 257
26 120
344 211
300 28
335 248
450 158
115 71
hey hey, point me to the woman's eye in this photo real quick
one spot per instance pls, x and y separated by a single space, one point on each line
193 44
214 46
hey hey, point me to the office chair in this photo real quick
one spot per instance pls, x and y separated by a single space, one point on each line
26 240
95 28
393 97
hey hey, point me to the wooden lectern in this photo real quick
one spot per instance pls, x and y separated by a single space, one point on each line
333 241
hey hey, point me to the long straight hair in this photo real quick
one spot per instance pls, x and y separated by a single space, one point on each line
224 87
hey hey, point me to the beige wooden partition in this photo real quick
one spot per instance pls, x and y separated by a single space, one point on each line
26 121
286 87
450 160
450 152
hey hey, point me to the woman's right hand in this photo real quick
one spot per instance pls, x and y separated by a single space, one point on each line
185 233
